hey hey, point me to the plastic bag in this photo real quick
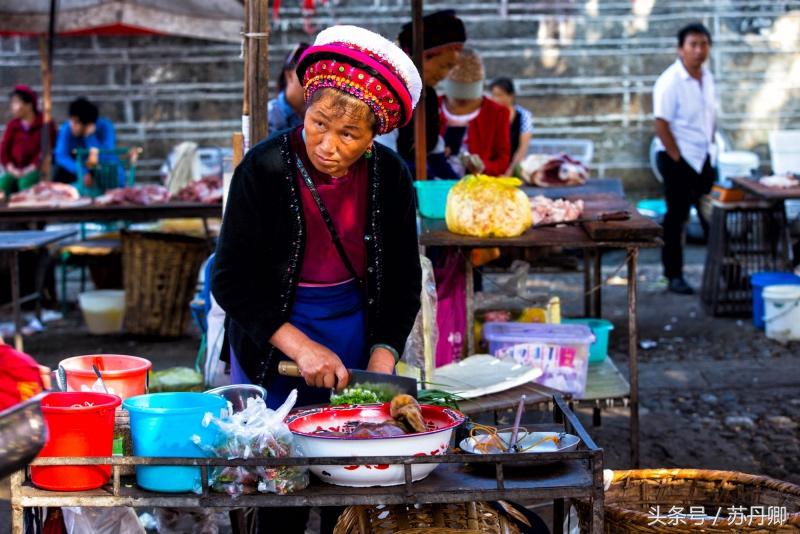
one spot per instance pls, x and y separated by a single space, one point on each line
182 520
483 206
421 343
451 307
86 520
213 367
255 432
176 379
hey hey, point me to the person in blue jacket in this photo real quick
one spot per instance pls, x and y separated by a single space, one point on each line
85 129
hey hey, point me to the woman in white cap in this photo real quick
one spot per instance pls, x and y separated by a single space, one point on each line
476 129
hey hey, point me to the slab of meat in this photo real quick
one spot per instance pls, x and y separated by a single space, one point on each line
546 210
207 190
45 194
141 195
553 171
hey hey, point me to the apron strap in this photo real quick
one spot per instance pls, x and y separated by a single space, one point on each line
326 216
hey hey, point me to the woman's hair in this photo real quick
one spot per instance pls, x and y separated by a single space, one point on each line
344 104
503 83
24 96
290 63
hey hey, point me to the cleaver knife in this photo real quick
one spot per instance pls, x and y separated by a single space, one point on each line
359 378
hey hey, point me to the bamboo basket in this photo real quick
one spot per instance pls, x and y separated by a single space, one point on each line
160 279
461 518
635 496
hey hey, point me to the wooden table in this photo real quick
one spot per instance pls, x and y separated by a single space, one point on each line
631 235
13 243
95 212
768 193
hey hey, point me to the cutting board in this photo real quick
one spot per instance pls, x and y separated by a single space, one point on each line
637 228
482 374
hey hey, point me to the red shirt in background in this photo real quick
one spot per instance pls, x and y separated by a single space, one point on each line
23 146
488 135
346 200
19 377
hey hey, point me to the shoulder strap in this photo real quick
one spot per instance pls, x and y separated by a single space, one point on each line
326 216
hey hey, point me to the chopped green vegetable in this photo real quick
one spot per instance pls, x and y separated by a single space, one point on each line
354 396
437 397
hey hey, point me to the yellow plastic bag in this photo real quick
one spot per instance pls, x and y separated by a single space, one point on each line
484 206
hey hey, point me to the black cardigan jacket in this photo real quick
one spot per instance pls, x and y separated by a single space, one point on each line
260 251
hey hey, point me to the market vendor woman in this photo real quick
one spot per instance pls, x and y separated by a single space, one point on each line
317 260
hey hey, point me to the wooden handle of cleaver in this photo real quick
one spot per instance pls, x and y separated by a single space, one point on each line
289 369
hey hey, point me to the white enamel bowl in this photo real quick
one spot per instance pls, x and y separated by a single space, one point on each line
441 423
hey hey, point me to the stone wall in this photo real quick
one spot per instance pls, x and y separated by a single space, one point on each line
585 68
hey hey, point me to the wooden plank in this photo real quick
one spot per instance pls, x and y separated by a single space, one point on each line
638 227
770 193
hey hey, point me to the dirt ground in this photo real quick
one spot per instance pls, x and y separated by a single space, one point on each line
715 393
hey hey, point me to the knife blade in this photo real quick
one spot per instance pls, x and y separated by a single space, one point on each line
359 378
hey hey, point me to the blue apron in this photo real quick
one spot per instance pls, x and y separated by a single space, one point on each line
333 317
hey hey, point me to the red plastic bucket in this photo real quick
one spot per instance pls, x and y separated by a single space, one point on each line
125 376
78 424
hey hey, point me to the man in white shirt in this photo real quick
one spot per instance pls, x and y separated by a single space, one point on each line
684 106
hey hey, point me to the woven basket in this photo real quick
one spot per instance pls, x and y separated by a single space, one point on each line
639 502
461 518
160 279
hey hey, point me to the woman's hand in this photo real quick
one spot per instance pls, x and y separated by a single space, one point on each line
381 361
321 367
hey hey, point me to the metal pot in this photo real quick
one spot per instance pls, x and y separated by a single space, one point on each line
23 433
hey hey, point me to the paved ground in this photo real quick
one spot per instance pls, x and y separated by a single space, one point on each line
715 393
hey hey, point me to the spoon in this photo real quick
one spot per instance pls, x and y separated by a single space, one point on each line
99 377
512 445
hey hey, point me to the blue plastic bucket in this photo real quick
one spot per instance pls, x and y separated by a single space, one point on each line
761 280
432 197
162 425
652 208
601 328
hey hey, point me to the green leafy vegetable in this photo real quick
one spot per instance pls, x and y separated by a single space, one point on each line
437 397
354 396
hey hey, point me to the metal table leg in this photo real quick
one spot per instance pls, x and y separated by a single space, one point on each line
558 516
15 303
633 254
470 307
597 294
587 283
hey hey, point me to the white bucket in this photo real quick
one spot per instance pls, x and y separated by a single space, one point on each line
782 312
736 163
103 310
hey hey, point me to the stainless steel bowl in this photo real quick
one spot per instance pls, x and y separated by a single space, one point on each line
237 394
23 433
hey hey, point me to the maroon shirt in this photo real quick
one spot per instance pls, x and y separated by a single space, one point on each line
346 200
22 146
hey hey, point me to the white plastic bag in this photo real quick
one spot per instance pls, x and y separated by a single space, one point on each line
255 432
421 343
214 368
90 520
